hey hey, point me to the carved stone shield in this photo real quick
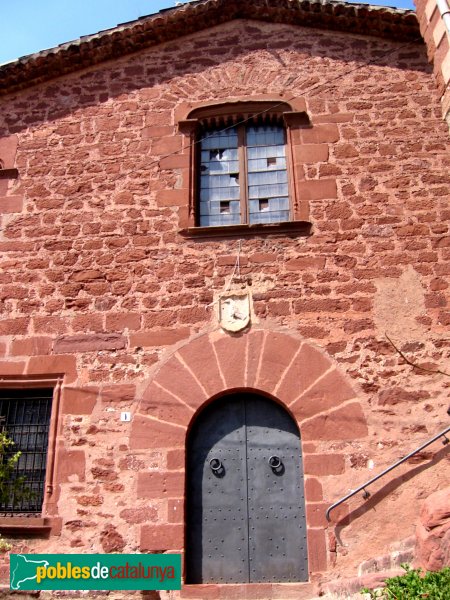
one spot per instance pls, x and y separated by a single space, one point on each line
234 311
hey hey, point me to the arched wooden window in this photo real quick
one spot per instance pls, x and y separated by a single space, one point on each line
242 168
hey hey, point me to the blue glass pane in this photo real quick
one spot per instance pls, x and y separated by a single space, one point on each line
275 163
219 193
266 151
268 191
219 220
270 217
216 140
268 205
265 135
219 181
220 207
265 177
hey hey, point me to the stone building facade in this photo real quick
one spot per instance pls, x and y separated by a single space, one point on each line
113 294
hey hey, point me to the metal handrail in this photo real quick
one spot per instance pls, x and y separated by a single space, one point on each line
396 464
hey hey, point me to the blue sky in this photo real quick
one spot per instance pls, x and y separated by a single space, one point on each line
27 26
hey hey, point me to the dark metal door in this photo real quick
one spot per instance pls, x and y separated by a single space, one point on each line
245 505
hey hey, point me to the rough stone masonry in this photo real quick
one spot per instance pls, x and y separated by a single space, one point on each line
98 285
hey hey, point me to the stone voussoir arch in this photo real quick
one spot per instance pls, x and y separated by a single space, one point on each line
302 377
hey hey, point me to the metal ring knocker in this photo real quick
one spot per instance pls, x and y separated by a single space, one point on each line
216 465
276 464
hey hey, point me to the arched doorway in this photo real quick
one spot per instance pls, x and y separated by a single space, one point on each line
245 495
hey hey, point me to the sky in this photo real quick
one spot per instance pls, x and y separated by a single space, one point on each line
28 26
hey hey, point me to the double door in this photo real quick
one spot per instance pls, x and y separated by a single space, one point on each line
245 506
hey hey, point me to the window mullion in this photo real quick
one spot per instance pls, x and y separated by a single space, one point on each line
243 179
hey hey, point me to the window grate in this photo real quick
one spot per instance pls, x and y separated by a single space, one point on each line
25 418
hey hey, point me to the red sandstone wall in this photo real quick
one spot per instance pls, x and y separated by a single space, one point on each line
97 283
437 40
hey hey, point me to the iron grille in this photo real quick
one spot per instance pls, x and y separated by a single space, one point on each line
25 418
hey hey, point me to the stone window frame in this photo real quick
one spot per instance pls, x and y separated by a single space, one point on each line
190 118
47 523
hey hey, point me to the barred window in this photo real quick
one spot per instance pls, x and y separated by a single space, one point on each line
25 420
243 175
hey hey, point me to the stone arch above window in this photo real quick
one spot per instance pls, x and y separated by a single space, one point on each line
242 171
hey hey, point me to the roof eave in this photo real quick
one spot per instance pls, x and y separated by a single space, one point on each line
197 16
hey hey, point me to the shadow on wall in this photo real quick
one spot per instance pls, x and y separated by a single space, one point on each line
204 52
387 489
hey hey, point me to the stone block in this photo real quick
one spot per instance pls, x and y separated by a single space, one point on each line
71 465
31 346
322 133
200 358
305 263
334 118
433 547
202 592
176 459
135 516
317 550
49 324
232 358
123 321
316 514
347 423
326 392
324 464
62 364
176 161
178 197
9 367
123 392
152 434
89 343
8 149
111 540
11 204
313 490
158 403
317 189
255 346
306 368
79 401
278 352
17 326
293 591
310 153
182 383
160 485
160 538
87 275
150 133
175 510
162 337
435 510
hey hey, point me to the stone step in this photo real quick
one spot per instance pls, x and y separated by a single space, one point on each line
346 587
402 552
250 591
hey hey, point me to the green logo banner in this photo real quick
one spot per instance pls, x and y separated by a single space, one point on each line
95 571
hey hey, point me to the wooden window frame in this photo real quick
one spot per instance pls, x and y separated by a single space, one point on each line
238 113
